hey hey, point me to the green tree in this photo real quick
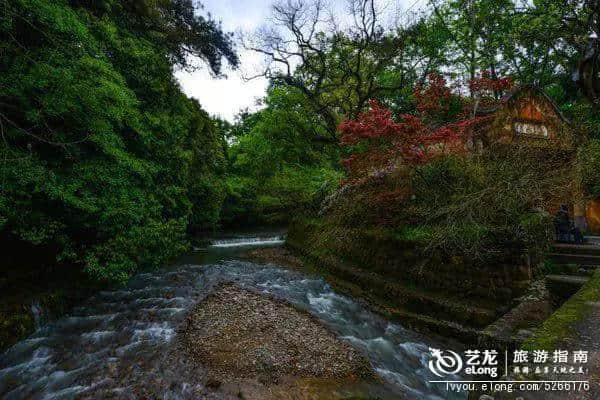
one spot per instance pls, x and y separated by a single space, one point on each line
276 165
335 67
476 30
99 144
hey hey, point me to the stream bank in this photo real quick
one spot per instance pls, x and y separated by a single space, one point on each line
125 343
449 296
35 290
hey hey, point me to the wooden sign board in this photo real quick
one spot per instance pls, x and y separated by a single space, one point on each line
530 129
528 117
530 121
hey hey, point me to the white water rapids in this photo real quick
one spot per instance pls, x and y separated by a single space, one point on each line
119 344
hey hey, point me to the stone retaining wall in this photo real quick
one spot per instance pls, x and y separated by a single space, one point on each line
399 260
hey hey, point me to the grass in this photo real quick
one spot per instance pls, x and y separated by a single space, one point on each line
550 267
560 326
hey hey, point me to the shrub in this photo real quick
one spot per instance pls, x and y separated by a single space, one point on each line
481 206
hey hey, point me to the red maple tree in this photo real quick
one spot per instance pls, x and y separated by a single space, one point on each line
378 143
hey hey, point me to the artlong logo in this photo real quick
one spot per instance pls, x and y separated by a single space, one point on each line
442 365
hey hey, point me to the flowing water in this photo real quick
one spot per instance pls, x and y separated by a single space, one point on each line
120 343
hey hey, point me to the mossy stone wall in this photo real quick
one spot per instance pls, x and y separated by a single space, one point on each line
385 253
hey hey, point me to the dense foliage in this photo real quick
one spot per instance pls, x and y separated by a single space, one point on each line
442 124
423 177
589 161
482 207
277 164
104 161
106 165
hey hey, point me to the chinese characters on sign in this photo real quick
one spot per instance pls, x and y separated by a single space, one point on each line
531 129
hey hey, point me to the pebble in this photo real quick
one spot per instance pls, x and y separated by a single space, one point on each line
242 334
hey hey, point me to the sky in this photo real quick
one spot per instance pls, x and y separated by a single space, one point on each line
226 97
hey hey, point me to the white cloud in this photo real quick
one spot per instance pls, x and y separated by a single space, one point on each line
226 97
223 97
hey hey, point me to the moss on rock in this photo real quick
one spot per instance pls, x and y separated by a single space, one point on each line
402 258
560 326
14 325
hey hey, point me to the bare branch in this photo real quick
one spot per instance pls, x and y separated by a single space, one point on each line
335 68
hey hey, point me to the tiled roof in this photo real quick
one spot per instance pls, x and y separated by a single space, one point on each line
517 92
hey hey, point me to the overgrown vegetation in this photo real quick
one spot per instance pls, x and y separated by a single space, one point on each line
106 165
103 159
558 330
481 206
589 162
277 165
425 177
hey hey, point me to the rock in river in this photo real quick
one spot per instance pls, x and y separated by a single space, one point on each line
263 347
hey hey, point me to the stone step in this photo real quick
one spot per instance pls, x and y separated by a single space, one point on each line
579 259
449 329
566 248
423 322
577 281
562 287
438 305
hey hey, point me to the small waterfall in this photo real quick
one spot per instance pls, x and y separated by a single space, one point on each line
248 241
37 312
122 341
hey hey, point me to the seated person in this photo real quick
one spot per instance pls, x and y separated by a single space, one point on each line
577 235
565 228
562 224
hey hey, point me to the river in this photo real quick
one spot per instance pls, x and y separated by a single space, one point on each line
119 340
